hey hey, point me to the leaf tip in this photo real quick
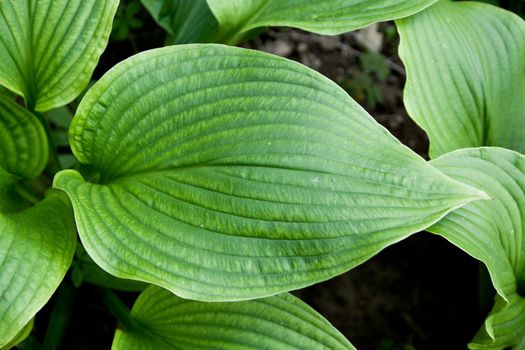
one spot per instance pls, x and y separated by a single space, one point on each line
62 178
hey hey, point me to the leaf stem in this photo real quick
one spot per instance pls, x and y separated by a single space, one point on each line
26 194
118 309
60 317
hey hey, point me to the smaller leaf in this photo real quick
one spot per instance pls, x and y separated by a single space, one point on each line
36 249
49 49
493 232
165 321
24 148
465 75
185 21
324 17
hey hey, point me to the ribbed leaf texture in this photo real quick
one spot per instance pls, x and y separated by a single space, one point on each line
165 321
36 243
226 174
185 21
465 66
36 249
23 153
24 149
493 232
324 16
49 49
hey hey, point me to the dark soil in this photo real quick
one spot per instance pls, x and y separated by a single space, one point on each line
421 293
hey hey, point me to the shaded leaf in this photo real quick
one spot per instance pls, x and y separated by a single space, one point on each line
493 232
465 75
49 49
165 321
23 153
185 21
331 17
24 148
227 174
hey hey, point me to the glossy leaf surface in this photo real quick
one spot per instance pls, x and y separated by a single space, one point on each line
227 174
185 21
49 49
465 75
36 248
324 17
165 321
492 231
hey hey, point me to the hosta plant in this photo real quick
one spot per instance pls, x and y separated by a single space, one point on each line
221 177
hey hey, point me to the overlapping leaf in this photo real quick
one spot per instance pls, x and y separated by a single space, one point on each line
324 17
23 152
20 337
36 244
36 248
465 75
228 174
24 147
493 232
164 321
90 272
49 49
185 21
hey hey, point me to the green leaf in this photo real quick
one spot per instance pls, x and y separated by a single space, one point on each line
163 321
226 174
23 153
493 232
185 21
24 148
324 17
36 248
49 49
465 75
21 336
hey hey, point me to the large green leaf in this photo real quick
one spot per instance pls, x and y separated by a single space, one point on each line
36 249
226 174
185 21
493 232
324 17
465 75
161 320
49 49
